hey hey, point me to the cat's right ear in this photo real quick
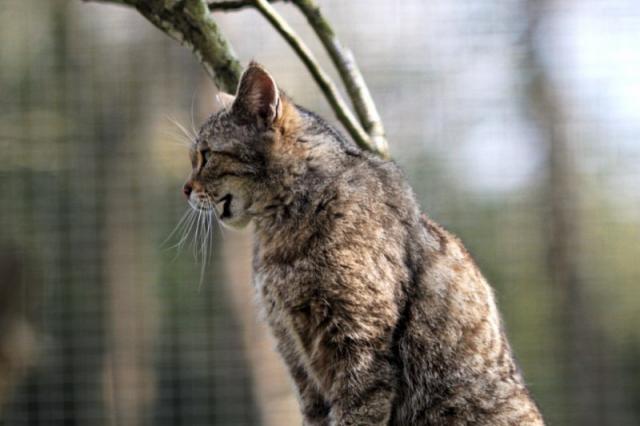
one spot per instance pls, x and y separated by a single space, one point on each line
258 97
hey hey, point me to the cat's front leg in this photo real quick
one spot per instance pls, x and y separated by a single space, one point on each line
355 375
363 398
314 408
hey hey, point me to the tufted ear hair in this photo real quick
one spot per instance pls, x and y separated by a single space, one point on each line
258 98
223 101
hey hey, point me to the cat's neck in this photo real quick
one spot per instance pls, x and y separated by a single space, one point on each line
300 212
294 205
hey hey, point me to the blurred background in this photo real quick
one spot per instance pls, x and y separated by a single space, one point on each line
517 123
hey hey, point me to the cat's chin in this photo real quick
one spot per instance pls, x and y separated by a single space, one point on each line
236 223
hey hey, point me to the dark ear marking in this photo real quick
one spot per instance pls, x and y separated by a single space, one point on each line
258 97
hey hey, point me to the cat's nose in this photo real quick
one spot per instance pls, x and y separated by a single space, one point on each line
186 189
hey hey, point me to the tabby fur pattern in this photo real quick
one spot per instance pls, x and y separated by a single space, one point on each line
381 315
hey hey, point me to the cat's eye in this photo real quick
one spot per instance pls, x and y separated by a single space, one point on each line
206 155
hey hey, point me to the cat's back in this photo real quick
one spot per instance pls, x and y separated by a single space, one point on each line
410 282
455 363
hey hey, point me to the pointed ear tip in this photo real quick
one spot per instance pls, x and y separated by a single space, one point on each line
257 74
255 66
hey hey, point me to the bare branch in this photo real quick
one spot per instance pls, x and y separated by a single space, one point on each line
107 1
323 80
191 24
231 5
227 6
342 59
349 72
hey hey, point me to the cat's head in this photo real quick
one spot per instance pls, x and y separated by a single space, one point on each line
246 153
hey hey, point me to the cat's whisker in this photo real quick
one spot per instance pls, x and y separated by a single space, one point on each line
213 219
178 226
206 245
185 237
177 139
200 233
186 231
209 233
190 136
215 215
197 234
204 250
184 226
207 236
203 238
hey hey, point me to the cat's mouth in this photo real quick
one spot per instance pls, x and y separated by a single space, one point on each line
223 206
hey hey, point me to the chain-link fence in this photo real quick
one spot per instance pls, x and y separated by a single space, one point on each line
517 123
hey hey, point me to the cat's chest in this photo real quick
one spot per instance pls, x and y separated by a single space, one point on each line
283 290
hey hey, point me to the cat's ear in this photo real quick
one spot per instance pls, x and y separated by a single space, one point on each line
258 98
223 101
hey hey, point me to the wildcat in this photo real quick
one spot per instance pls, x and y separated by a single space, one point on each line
381 316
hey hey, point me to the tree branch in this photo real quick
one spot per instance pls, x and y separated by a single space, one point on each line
191 24
341 57
349 72
231 5
323 80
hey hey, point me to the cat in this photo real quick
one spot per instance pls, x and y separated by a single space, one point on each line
381 316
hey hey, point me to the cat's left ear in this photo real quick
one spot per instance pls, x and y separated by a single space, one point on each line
258 98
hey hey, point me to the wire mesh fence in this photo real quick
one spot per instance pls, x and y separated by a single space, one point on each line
518 134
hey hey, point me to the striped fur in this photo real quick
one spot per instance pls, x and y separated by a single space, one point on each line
381 315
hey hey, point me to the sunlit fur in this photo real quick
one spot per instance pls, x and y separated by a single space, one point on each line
381 315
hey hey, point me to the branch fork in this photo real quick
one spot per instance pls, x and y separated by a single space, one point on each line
191 23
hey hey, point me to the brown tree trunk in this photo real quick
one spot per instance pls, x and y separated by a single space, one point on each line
581 346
